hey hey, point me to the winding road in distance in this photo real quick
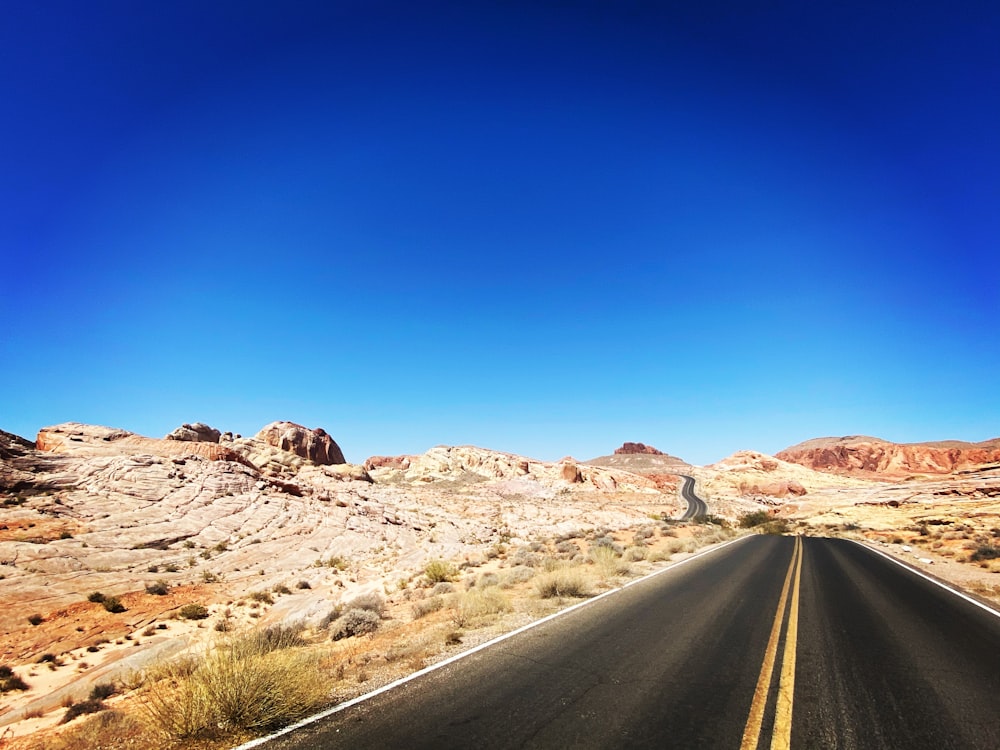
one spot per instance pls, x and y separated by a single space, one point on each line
696 506
766 642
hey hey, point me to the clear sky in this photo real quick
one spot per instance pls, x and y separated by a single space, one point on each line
539 227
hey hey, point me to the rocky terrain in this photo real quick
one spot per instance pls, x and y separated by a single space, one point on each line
106 536
872 457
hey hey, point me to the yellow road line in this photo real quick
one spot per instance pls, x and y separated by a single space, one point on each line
782 737
751 733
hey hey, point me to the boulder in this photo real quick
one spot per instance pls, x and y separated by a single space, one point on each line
314 445
195 433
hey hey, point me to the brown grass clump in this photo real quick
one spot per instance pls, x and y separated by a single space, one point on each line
246 683
572 580
478 604
608 561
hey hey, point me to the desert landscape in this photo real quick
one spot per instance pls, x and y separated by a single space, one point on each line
129 564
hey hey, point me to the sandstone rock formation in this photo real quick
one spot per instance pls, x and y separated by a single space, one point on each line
195 433
868 456
468 464
92 440
633 448
753 474
314 445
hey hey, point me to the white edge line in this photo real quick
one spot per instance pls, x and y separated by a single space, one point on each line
917 571
452 659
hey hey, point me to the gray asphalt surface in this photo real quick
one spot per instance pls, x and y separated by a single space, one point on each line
696 507
885 660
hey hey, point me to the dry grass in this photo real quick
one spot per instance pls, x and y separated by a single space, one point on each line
246 683
474 606
571 580
608 562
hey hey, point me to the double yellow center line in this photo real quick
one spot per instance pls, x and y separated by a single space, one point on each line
782 733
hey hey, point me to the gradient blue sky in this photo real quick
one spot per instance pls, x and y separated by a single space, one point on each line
539 227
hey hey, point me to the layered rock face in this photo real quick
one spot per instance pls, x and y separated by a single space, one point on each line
628 449
314 445
866 456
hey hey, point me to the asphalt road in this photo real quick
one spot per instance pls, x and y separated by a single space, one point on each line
862 654
696 507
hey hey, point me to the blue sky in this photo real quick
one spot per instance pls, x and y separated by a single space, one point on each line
543 227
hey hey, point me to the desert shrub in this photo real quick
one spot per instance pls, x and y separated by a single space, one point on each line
777 526
153 569
985 551
36 619
95 596
112 604
567 548
236 688
97 730
516 575
487 579
281 589
526 556
79 709
10 681
262 596
102 690
569 581
330 616
635 553
753 518
424 607
439 570
608 561
193 612
646 532
275 638
354 622
303 585
605 542
478 604
444 587
159 588
371 602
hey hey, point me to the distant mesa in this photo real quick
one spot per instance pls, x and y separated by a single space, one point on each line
630 449
314 445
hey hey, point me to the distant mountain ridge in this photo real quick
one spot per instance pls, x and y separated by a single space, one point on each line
864 455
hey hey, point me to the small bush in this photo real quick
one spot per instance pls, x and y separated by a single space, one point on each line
10 681
354 622
160 588
79 709
516 575
570 581
605 542
424 607
102 690
608 561
275 638
444 587
281 589
985 552
477 604
371 602
303 585
36 619
112 604
753 518
438 571
193 612
96 596
262 596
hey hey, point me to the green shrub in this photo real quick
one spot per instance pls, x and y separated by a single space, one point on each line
193 612
112 604
477 604
439 570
